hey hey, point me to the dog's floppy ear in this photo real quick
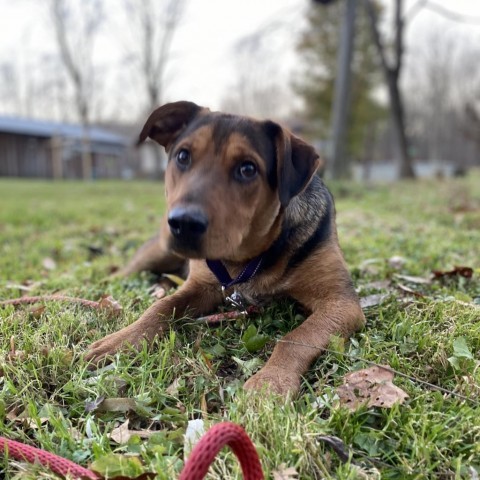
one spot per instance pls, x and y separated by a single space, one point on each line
166 123
297 161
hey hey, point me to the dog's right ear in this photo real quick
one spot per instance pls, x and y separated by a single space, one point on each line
166 123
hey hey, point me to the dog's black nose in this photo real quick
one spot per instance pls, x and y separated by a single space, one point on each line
187 222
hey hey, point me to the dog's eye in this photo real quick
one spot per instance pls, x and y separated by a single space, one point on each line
246 171
183 159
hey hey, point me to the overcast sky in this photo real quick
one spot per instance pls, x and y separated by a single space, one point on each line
205 63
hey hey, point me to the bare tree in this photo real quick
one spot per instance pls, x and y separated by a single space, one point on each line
392 70
442 77
255 89
10 97
153 25
75 31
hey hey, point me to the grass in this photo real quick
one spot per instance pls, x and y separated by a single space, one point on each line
67 237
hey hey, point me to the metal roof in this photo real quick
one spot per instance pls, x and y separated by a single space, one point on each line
44 128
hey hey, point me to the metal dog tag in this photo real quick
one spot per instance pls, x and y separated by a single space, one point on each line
235 300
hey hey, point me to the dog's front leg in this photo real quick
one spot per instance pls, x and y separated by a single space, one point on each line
296 351
192 298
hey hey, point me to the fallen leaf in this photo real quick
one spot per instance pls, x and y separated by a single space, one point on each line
172 389
413 279
372 387
75 434
117 405
49 263
465 272
121 434
178 281
17 286
36 312
284 473
367 267
396 262
406 289
110 306
373 300
17 356
93 405
29 422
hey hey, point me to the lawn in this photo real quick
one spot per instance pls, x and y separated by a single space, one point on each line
67 238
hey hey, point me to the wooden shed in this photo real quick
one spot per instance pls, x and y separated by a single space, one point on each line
43 149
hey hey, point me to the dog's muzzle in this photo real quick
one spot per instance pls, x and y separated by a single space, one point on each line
188 224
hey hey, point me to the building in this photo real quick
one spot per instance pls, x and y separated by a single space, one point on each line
44 149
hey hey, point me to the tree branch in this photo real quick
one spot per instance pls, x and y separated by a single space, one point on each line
398 37
377 39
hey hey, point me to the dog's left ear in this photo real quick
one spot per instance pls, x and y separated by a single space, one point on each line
297 162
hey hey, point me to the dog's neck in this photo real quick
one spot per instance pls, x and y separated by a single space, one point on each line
219 269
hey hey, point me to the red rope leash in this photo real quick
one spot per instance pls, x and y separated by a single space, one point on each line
196 467
61 466
212 442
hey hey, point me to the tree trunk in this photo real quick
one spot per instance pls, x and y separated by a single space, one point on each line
341 104
392 72
398 121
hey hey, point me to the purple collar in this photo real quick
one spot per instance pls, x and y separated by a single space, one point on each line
219 270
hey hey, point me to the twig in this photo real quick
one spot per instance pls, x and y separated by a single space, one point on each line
106 303
50 298
232 315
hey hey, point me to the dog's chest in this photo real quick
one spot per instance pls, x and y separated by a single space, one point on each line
256 292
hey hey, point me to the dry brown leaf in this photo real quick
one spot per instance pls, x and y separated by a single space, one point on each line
110 306
117 405
121 434
406 289
372 387
29 422
284 473
36 312
465 272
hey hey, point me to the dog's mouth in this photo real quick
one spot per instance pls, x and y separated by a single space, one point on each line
188 248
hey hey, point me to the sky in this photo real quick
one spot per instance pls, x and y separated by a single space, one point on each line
206 65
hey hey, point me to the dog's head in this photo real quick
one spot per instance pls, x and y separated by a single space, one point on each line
228 179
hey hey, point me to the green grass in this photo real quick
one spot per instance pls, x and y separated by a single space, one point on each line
45 387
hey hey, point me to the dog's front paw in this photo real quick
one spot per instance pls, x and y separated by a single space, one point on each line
111 344
274 380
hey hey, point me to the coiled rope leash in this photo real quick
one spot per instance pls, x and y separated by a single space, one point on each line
196 468
59 465
212 442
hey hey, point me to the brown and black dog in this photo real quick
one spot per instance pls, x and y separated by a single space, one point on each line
246 209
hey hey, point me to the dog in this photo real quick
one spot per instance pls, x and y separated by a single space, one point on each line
250 216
